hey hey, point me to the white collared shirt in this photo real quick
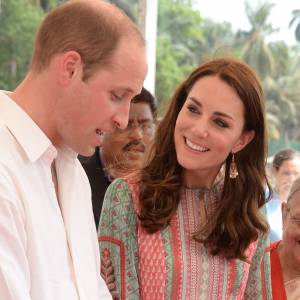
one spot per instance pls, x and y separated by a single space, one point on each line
48 250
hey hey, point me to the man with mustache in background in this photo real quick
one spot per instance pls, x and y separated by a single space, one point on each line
123 150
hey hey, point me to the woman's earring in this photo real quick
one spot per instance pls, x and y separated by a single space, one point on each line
233 172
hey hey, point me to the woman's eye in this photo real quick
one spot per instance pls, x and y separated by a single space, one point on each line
192 108
221 123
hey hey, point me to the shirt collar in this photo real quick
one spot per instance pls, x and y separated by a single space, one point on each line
28 134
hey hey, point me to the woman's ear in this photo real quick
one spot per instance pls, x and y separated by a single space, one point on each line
245 138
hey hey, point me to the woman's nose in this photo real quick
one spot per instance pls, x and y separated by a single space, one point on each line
201 129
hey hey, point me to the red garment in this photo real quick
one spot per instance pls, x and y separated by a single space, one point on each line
278 289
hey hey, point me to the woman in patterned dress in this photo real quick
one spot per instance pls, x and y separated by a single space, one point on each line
190 225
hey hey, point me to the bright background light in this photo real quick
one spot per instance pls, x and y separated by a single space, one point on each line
233 11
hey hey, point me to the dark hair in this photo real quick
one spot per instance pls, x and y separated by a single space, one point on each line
93 32
146 97
283 155
237 220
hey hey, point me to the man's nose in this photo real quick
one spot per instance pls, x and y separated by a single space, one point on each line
122 115
136 132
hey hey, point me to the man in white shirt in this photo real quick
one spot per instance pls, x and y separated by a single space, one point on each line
88 63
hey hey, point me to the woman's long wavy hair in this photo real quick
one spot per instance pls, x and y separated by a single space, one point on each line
237 220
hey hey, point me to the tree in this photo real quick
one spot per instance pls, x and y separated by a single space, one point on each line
128 6
296 19
254 48
18 22
217 40
45 5
179 35
283 94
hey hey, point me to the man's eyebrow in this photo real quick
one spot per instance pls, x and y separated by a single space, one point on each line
129 91
218 113
144 120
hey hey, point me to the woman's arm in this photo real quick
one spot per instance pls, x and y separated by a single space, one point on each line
259 279
117 236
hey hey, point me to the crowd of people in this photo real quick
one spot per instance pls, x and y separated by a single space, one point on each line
184 208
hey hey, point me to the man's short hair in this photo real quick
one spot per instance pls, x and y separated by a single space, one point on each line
146 97
92 31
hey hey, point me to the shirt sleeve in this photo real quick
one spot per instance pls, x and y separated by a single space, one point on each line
14 267
259 279
117 236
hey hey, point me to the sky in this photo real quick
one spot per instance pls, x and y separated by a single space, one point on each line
233 11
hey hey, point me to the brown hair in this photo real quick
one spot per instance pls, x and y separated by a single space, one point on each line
237 221
282 156
92 31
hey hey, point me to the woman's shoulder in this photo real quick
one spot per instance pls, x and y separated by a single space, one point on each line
124 183
122 191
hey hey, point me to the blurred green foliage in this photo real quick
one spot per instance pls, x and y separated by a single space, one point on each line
18 22
184 40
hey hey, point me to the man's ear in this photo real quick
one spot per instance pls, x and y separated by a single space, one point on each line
245 138
70 67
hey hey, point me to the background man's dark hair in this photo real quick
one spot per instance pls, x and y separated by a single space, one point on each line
146 97
283 155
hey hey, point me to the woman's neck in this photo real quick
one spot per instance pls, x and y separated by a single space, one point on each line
203 179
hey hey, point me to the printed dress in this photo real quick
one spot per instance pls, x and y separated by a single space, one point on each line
170 264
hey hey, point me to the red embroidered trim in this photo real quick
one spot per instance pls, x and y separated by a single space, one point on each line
232 276
264 292
177 280
122 266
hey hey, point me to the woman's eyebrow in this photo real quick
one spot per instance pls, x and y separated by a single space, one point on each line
218 113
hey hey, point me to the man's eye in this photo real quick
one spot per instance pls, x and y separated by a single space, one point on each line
146 126
116 97
130 125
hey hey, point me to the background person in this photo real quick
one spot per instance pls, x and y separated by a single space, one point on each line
285 168
88 63
285 254
122 150
177 230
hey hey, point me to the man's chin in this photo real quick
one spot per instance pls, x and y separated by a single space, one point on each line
134 155
87 151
